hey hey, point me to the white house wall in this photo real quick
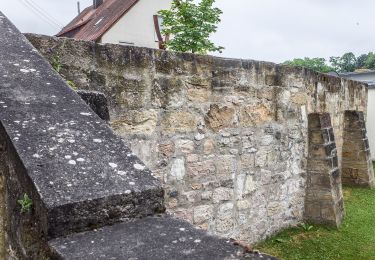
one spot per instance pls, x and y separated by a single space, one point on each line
137 25
371 121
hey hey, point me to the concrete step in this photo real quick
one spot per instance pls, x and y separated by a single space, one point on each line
149 238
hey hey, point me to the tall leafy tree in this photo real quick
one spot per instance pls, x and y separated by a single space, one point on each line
370 61
345 63
190 26
317 64
361 61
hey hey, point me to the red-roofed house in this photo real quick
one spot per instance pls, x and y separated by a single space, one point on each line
128 22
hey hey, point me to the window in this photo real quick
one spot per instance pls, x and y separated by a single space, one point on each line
126 43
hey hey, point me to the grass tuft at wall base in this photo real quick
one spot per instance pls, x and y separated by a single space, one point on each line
355 239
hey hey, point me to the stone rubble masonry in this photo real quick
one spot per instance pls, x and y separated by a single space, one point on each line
324 203
75 170
97 102
357 167
228 138
92 198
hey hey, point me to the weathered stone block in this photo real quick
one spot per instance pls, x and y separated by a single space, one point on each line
202 214
273 208
225 165
256 115
148 237
192 197
247 162
179 122
172 203
313 210
328 213
243 204
225 220
262 157
201 169
131 93
167 92
178 169
144 149
318 165
319 136
323 181
250 185
167 149
198 95
354 119
97 101
184 214
222 194
192 158
185 146
220 117
266 93
319 121
240 186
136 122
299 98
207 195
272 80
208 147
323 150
196 186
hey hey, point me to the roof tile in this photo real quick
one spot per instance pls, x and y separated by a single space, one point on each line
95 22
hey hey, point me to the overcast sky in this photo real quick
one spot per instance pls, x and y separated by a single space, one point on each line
271 30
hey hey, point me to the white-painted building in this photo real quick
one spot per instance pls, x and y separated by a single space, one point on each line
369 78
128 22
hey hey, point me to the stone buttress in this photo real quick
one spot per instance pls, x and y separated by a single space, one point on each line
324 199
357 167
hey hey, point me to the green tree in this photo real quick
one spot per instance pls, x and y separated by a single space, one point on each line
370 61
190 25
316 64
361 61
345 63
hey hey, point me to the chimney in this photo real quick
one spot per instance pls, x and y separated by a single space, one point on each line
97 3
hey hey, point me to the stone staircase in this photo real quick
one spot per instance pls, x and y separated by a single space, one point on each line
92 198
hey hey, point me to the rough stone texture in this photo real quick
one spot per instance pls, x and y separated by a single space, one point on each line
76 171
97 102
225 136
150 238
79 176
357 167
324 202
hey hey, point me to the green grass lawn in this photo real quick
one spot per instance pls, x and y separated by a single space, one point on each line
354 240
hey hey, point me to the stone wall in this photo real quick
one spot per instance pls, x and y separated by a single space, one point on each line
69 187
324 203
227 137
